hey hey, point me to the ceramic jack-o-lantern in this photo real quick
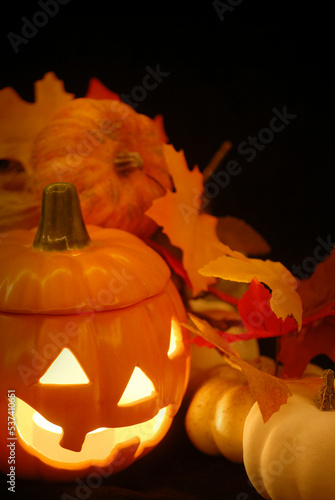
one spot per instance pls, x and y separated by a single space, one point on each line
94 359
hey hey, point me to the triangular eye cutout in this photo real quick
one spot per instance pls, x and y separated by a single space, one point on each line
139 387
65 370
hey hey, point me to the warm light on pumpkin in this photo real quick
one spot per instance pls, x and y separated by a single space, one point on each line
176 346
44 436
43 422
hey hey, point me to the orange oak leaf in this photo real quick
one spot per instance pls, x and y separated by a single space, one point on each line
20 121
285 301
317 335
269 391
179 214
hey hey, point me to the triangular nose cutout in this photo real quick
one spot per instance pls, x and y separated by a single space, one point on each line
65 370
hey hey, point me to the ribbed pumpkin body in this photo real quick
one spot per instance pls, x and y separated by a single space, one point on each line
291 456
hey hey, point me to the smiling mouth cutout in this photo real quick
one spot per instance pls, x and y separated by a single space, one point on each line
41 438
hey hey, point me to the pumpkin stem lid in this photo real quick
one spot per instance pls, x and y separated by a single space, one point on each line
325 399
61 225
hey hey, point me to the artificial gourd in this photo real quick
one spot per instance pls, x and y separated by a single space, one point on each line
291 456
96 361
205 358
111 153
215 417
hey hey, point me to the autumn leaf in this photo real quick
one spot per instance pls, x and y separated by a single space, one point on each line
317 335
299 349
318 292
159 122
171 254
97 90
254 314
257 315
269 391
205 332
220 313
284 302
240 236
178 213
20 121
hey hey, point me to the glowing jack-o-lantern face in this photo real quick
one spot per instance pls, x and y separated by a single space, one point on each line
96 383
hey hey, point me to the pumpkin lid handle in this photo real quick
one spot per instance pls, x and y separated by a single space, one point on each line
61 225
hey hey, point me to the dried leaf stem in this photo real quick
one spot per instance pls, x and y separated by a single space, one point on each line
325 399
216 160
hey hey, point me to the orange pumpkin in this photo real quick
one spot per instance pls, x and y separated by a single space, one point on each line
95 359
112 154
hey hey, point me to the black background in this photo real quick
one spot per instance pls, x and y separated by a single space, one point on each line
225 78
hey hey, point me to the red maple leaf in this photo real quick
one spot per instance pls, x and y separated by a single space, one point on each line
97 90
317 335
258 317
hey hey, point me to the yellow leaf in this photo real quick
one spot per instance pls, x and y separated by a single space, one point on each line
20 121
285 301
